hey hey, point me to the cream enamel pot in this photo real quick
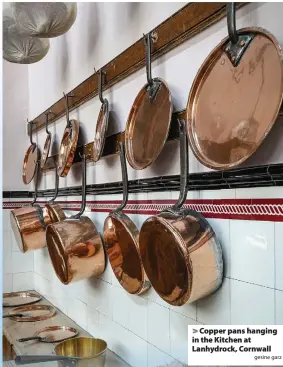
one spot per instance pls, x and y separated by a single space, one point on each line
75 246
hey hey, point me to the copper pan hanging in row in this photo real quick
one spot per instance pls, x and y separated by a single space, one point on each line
149 120
180 252
235 97
121 238
30 160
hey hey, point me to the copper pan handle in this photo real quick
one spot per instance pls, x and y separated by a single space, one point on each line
124 177
56 185
20 360
39 338
231 22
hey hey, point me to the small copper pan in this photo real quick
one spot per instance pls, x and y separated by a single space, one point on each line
32 313
121 238
68 144
101 124
30 160
52 334
149 120
236 96
179 250
75 245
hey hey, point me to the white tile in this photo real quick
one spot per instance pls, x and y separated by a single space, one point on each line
22 263
158 326
7 282
137 315
191 195
79 290
121 307
42 285
278 256
92 317
251 304
43 265
77 311
179 335
15 246
23 282
107 274
7 253
6 219
228 194
162 195
259 192
221 228
252 250
100 296
189 310
279 307
215 309
106 330
155 357
210 194
154 297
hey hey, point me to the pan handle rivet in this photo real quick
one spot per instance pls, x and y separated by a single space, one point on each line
242 43
233 58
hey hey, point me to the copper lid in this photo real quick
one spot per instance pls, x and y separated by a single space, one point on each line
15 299
29 165
45 152
100 131
148 125
37 312
121 238
231 109
67 148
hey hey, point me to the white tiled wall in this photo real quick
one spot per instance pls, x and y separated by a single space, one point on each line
146 331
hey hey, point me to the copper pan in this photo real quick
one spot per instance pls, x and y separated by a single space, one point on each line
29 223
101 124
179 250
75 246
30 160
68 144
149 120
79 352
52 334
47 144
121 238
236 96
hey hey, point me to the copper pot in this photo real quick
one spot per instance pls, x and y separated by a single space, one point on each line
29 223
180 252
75 245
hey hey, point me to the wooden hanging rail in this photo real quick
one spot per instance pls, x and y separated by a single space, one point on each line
192 19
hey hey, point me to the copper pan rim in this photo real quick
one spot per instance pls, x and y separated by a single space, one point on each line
45 151
121 217
31 149
131 120
104 115
196 87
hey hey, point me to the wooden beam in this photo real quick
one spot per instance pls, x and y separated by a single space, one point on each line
192 19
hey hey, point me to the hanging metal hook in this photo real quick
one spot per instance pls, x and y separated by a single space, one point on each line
83 205
46 122
30 133
67 96
124 178
147 39
231 22
102 100
56 190
36 183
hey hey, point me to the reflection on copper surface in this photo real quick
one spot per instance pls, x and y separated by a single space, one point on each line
100 131
15 299
67 148
38 312
121 238
45 152
91 352
148 126
28 225
181 256
75 249
29 164
231 109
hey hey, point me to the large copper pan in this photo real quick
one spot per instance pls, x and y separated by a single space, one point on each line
236 96
149 119
68 144
79 352
30 160
75 246
180 252
29 223
121 238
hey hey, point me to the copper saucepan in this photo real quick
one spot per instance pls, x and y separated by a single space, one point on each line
236 96
149 119
79 352
75 245
121 238
30 160
180 252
